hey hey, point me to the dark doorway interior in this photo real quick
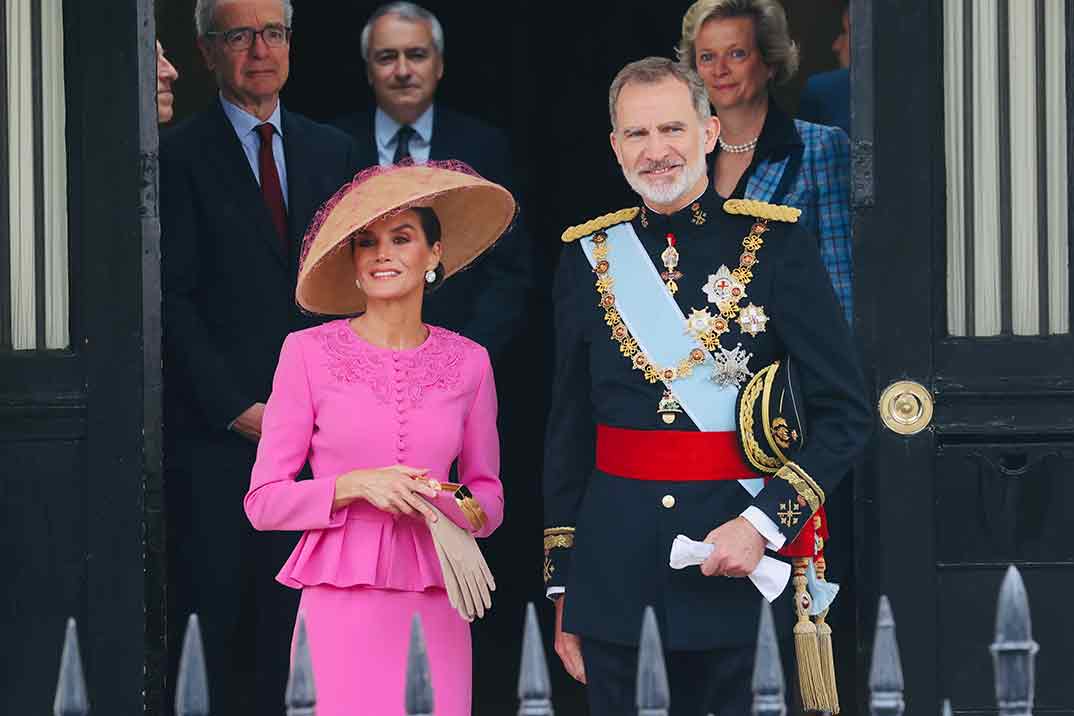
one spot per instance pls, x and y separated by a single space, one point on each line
541 72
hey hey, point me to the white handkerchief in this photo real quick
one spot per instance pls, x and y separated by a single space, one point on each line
770 577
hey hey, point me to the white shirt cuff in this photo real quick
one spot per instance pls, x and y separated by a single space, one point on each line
555 591
774 539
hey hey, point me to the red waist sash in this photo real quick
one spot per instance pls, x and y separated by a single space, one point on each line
686 455
670 455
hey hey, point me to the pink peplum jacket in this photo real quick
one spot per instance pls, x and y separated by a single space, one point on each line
344 404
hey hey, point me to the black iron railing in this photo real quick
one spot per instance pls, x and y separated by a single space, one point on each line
1013 655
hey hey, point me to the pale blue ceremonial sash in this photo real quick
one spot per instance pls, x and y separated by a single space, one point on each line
657 324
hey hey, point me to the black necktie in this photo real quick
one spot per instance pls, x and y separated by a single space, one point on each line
402 143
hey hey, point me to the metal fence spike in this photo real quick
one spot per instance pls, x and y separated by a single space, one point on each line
419 687
192 683
1014 650
653 696
947 708
71 698
301 694
768 698
534 686
885 674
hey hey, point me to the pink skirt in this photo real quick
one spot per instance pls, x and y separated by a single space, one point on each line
359 638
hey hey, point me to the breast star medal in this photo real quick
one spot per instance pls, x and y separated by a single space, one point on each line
706 328
752 319
732 367
670 257
724 289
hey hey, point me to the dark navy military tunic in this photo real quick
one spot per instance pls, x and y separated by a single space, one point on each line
623 529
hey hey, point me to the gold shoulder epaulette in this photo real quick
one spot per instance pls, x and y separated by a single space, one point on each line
762 210
601 222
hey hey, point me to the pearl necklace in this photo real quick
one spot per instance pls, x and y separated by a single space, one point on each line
738 148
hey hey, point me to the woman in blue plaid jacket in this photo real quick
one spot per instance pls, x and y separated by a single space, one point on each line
741 48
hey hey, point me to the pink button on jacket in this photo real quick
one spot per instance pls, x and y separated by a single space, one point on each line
344 405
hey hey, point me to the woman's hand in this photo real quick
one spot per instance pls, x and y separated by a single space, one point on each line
397 489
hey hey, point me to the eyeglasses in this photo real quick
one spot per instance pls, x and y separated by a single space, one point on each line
240 39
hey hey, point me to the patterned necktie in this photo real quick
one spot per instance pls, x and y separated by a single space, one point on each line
270 183
402 143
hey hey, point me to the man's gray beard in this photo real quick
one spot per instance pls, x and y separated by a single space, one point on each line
668 193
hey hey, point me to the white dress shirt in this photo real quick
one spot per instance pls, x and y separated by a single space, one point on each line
385 129
245 125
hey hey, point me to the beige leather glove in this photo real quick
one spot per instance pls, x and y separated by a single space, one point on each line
451 583
467 578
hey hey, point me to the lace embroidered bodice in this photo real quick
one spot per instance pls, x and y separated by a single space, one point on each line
435 364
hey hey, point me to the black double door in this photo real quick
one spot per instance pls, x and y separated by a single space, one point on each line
972 465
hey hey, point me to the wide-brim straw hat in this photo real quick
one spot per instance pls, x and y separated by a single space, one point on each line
473 214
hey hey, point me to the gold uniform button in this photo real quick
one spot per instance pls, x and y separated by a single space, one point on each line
668 501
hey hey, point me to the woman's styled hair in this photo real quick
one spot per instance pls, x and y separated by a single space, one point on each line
778 50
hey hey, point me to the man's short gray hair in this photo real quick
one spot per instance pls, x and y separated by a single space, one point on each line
655 69
411 12
205 11
778 51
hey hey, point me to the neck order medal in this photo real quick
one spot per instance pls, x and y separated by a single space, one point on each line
729 287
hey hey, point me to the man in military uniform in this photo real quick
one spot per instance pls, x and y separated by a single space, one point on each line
664 313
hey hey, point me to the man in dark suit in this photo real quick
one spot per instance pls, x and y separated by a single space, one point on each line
826 96
239 184
403 46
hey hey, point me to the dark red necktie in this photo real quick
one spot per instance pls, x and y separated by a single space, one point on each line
270 183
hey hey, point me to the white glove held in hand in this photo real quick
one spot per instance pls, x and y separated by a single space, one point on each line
467 578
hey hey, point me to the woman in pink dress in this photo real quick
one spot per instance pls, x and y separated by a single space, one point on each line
381 405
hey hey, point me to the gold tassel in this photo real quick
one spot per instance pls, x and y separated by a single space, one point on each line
471 508
810 678
824 645
468 505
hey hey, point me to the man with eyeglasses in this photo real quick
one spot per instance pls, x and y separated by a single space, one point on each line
239 184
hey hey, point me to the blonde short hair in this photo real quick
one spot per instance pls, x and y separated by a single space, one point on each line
778 50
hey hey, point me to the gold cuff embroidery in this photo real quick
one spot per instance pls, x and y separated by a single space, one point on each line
789 513
555 537
558 537
803 484
809 480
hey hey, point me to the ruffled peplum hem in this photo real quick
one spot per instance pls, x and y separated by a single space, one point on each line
381 551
